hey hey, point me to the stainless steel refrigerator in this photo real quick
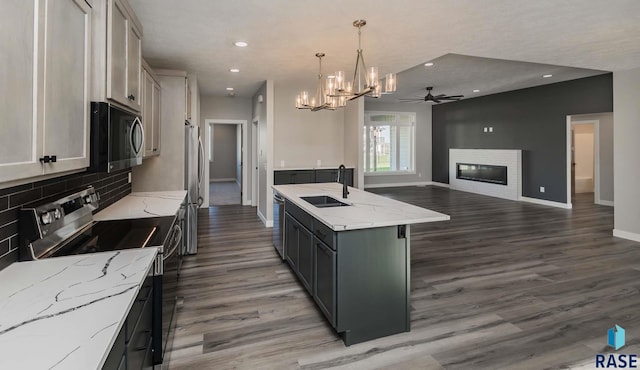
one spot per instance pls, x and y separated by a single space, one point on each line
194 170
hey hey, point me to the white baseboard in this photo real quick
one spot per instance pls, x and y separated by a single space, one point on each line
225 179
546 202
238 182
440 184
267 223
604 202
626 235
246 202
394 184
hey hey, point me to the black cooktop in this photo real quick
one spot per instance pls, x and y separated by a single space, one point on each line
106 236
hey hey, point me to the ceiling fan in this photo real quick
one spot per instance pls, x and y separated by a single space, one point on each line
434 99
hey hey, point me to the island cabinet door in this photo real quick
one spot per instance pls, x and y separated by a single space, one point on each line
325 279
291 241
305 258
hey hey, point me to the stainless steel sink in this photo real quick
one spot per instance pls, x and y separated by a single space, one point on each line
323 201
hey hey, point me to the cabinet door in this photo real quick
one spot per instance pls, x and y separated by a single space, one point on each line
134 66
156 118
147 113
117 37
19 141
305 258
325 279
326 175
291 241
66 85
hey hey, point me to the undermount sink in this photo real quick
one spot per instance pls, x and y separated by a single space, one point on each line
323 201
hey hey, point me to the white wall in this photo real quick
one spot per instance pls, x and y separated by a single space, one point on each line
423 143
584 157
606 151
626 115
353 140
166 171
221 108
302 137
264 112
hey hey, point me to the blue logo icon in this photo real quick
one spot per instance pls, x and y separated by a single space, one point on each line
615 337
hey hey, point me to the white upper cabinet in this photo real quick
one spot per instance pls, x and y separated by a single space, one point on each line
150 112
44 84
66 85
117 54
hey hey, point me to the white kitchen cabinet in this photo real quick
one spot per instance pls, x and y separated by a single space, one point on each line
117 54
124 48
150 113
44 82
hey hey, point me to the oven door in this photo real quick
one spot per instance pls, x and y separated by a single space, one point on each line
166 284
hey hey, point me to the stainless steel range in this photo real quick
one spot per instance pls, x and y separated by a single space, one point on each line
65 226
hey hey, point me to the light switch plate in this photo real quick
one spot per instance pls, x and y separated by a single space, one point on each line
129 177
542 189
319 163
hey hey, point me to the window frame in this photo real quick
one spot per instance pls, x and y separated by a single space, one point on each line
368 123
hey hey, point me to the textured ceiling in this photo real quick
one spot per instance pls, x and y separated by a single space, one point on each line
284 35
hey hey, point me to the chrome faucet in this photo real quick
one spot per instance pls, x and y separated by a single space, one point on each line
342 178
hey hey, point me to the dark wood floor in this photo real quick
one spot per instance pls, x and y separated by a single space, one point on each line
502 285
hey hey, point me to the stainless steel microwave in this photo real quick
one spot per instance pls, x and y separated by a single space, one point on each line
117 138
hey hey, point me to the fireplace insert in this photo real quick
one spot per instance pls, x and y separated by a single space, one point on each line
482 173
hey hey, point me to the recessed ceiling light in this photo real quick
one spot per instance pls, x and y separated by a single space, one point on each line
229 88
476 90
547 76
428 64
234 70
241 44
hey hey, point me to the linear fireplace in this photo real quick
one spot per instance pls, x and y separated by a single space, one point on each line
482 173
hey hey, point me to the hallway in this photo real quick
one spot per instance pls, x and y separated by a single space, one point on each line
224 193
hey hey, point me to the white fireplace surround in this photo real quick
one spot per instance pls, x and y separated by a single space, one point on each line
512 159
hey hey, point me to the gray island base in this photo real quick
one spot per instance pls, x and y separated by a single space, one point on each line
353 260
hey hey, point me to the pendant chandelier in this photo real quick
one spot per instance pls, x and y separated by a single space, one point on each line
338 90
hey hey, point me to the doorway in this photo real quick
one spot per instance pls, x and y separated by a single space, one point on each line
583 159
226 150
254 161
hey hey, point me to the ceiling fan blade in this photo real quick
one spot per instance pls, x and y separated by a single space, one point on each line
439 96
417 99
452 97
435 100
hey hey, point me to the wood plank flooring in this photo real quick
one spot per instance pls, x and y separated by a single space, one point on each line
502 285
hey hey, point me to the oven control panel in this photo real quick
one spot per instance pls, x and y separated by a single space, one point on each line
49 223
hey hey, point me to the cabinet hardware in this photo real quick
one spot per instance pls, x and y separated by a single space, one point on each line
131 97
402 231
155 149
49 159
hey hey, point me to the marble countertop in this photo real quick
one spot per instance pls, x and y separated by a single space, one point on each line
366 210
66 312
143 205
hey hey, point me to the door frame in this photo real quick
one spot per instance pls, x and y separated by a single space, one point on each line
596 157
208 125
254 162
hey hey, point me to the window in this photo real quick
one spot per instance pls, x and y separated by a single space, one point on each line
389 142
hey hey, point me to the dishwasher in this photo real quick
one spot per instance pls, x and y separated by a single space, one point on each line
278 224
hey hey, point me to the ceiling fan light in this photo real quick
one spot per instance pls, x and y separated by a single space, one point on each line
390 83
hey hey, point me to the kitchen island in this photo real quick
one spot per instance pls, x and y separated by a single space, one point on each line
353 256
71 312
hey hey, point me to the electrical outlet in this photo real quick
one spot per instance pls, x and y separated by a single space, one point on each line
542 189
490 129
282 163
318 163
129 177
486 129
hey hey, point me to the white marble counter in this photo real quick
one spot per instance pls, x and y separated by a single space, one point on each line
366 210
143 205
66 312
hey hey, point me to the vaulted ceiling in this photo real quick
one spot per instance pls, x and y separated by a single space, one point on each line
284 35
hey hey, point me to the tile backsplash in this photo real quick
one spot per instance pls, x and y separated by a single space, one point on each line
111 187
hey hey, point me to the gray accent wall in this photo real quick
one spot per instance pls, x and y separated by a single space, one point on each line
223 165
532 120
